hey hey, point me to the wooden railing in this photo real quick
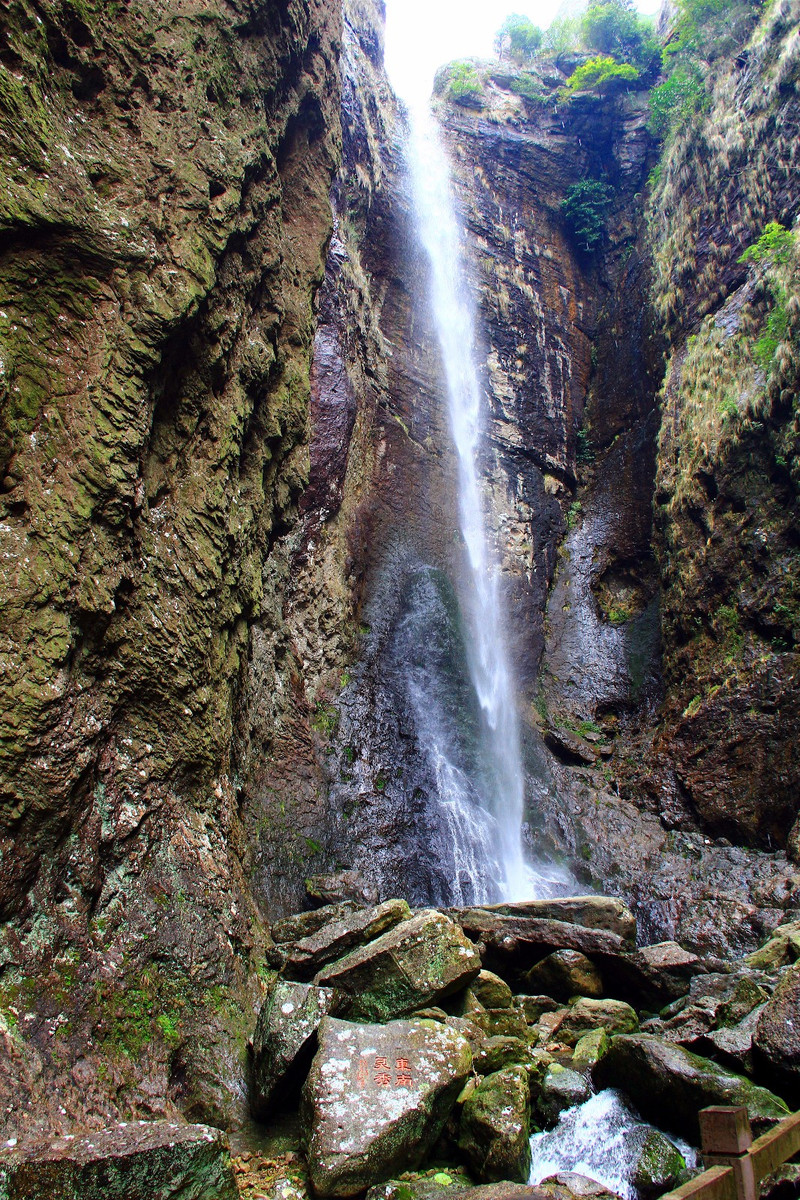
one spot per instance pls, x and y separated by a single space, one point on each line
737 1164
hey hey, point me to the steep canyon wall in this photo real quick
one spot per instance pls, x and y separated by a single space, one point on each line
230 529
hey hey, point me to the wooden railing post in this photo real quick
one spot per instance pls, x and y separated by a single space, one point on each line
726 1139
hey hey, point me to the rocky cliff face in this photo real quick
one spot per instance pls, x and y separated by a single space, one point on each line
574 367
727 487
572 363
165 214
232 536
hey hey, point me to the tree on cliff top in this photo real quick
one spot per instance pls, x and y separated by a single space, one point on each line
614 27
520 35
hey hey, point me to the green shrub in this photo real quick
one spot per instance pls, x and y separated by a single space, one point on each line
776 243
463 82
674 100
614 27
601 73
584 208
775 248
776 329
524 37
562 36
530 88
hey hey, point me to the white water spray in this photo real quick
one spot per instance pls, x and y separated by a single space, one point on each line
601 1139
482 595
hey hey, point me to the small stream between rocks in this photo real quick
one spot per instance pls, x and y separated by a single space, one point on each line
605 1140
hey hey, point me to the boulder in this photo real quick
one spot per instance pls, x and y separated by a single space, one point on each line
415 963
565 974
561 1089
304 958
717 1005
777 1036
498 1052
652 976
466 1004
659 1164
546 1030
495 1127
433 1013
669 1085
501 1022
714 1001
511 945
492 991
782 949
734 1046
302 925
585 1015
433 1184
341 887
589 1050
376 1099
568 1185
533 1007
137 1160
285 1040
592 912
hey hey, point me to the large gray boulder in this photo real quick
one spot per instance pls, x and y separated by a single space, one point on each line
592 912
415 964
669 1085
560 1089
302 925
495 1127
659 1164
512 942
307 955
651 977
137 1160
285 1040
376 1099
586 1015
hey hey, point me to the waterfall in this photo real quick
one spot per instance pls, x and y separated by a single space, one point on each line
502 785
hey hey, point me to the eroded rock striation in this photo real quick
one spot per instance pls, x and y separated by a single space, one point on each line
165 215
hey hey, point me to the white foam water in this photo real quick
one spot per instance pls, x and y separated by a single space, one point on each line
502 786
600 1139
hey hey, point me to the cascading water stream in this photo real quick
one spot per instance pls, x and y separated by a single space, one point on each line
503 782
440 235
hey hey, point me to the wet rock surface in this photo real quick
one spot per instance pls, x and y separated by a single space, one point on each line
308 954
139 1160
777 1034
164 236
495 1127
669 1084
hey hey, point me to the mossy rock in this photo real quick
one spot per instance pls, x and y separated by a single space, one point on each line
495 1127
660 1166
669 1085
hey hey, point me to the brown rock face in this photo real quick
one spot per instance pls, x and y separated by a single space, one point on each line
727 487
164 214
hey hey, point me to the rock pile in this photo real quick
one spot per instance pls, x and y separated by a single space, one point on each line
455 1035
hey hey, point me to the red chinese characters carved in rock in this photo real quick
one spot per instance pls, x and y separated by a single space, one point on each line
381 1071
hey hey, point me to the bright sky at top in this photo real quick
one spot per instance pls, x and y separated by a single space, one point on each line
421 35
